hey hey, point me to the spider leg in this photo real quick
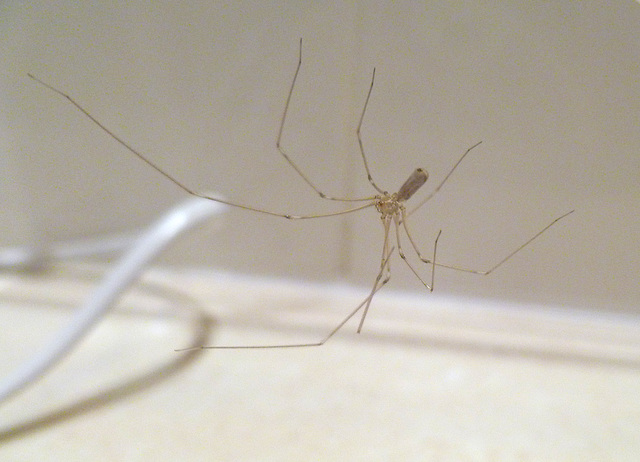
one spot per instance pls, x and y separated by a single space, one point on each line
384 261
180 184
497 265
435 191
364 157
379 284
284 153
397 222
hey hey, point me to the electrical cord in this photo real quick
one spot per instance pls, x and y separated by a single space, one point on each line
142 250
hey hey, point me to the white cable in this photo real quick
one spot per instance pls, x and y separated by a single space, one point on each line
158 236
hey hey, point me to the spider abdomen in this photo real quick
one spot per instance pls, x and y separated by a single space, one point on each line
413 183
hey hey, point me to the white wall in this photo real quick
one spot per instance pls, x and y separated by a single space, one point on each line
552 89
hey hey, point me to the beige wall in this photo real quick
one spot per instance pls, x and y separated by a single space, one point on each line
552 89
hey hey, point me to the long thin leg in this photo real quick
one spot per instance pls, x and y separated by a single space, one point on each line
284 153
364 157
379 284
386 254
413 244
435 191
174 180
490 270
404 258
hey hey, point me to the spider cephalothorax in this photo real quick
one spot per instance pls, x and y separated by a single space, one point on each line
388 205
391 204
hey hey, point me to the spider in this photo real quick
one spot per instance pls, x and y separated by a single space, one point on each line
390 206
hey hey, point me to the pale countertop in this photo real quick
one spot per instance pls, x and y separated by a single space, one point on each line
430 377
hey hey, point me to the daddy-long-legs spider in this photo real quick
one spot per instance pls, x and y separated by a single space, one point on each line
390 206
